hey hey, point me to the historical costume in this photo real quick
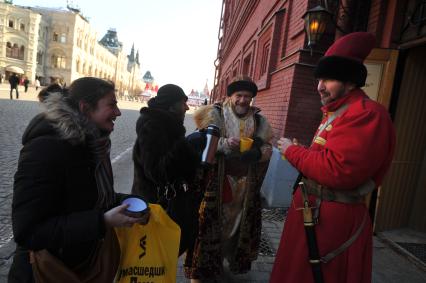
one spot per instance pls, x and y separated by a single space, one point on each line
230 212
349 156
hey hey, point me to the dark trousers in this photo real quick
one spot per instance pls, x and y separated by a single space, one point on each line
17 93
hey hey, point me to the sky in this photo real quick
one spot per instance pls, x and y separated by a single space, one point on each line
177 39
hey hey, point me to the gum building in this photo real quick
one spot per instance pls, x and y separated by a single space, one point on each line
60 45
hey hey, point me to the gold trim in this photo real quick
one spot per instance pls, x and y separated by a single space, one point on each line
329 127
320 140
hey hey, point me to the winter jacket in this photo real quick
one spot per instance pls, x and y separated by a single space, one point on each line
164 163
161 155
55 191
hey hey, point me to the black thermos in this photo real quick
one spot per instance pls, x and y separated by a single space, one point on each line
209 152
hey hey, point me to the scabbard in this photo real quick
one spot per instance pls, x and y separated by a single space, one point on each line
308 222
314 258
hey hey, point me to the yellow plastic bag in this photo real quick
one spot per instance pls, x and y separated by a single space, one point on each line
149 252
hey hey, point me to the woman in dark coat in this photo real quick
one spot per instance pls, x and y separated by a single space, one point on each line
63 198
165 162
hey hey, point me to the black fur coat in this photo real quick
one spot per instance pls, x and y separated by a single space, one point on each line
164 163
161 155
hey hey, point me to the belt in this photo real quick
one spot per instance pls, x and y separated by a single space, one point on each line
352 196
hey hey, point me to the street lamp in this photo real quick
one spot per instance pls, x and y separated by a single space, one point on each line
316 20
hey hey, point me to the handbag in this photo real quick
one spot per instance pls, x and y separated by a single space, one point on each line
100 266
149 252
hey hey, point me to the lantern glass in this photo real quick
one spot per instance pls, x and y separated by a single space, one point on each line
316 20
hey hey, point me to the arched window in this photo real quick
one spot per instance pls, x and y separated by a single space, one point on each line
8 49
15 51
21 52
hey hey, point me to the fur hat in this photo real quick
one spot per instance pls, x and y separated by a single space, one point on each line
167 95
242 83
343 61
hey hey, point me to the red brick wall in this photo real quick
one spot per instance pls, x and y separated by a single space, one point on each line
303 121
287 94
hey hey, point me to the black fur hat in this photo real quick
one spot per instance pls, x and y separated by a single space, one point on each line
242 83
167 95
344 59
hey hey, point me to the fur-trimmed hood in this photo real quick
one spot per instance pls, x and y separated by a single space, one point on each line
61 120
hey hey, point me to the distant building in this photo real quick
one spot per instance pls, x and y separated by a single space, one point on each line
197 98
150 88
60 45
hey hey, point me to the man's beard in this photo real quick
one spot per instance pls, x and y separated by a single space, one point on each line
327 94
241 110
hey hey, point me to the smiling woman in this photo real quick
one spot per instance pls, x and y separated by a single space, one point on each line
64 203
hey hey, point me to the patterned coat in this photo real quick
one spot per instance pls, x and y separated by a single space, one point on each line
358 145
229 226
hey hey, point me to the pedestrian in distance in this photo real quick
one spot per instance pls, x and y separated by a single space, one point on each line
230 213
26 83
64 203
165 163
37 84
327 234
14 82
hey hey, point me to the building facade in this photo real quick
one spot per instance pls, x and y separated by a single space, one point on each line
267 41
19 37
197 98
60 45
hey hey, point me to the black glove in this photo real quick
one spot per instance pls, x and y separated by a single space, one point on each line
252 155
257 142
197 140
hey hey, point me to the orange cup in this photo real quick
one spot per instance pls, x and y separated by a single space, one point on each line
245 144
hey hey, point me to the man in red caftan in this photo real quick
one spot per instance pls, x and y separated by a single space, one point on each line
349 156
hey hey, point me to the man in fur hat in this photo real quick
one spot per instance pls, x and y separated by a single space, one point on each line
164 161
349 156
230 212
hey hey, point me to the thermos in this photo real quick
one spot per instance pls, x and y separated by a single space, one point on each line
209 152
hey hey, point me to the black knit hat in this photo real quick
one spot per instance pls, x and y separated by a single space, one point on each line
343 61
242 83
167 95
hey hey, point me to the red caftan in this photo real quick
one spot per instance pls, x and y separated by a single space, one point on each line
357 145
